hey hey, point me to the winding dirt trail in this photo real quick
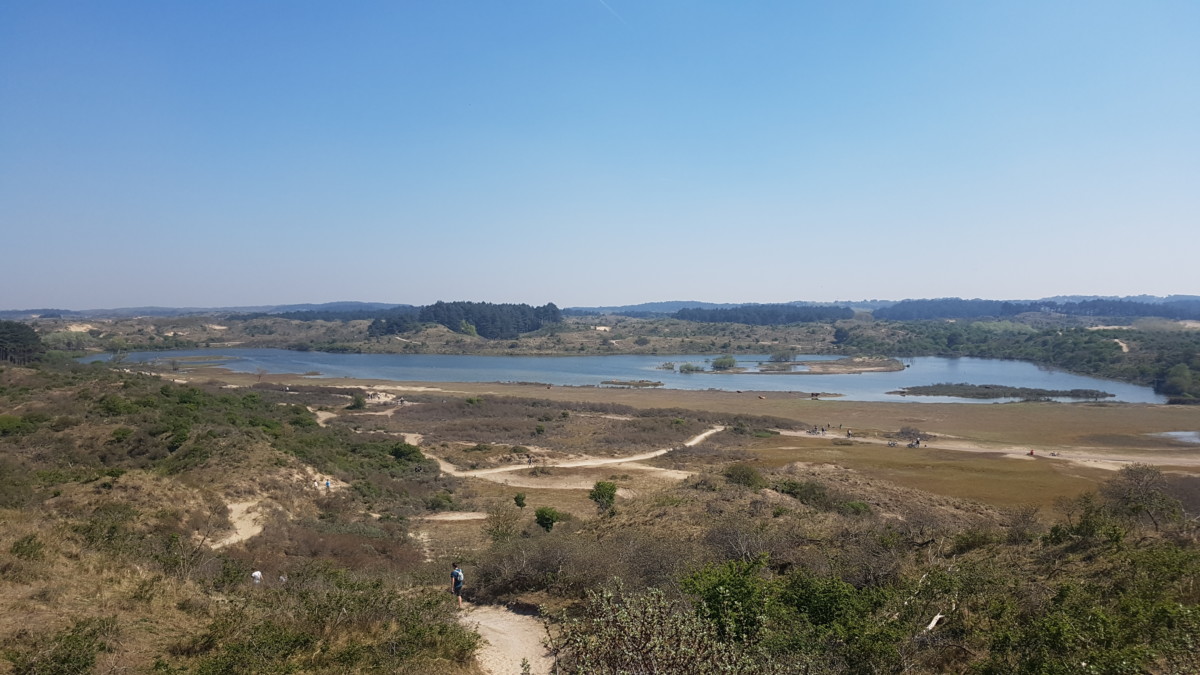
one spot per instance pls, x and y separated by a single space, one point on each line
628 461
511 639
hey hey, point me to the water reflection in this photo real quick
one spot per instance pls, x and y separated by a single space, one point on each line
592 370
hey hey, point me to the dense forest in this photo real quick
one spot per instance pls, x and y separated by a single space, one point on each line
485 319
492 321
765 315
395 322
957 308
18 342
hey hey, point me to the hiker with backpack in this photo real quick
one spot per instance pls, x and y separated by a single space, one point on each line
456 583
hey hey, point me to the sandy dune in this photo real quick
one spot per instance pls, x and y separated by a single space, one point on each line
245 524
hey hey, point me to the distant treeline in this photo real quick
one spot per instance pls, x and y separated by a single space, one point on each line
765 315
1167 360
492 321
957 308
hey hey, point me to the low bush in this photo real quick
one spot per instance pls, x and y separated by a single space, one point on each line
71 650
745 475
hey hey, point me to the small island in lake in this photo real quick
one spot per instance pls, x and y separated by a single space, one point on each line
845 366
964 390
632 383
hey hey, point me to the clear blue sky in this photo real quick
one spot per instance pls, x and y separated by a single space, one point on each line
240 153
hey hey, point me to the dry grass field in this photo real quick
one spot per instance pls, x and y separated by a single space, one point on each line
701 477
995 469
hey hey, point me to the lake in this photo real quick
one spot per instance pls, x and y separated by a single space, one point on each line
592 370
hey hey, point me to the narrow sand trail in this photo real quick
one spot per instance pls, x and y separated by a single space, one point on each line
455 515
511 639
628 461
1079 455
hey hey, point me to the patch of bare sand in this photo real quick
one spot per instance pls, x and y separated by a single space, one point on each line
424 543
455 515
245 523
402 387
511 639
79 327
323 416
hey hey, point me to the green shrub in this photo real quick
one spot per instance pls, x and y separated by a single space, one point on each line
854 508
442 501
732 596
970 540
604 493
647 633
746 475
808 492
724 362
547 516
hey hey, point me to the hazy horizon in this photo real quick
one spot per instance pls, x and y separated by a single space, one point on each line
562 305
595 153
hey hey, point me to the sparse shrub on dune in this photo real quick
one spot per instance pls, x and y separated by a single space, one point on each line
745 475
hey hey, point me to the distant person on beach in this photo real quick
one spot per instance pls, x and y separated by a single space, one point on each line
456 583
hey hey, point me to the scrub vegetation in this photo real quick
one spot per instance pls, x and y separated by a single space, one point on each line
135 508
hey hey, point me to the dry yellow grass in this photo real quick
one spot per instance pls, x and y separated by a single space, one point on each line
996 479
1100 429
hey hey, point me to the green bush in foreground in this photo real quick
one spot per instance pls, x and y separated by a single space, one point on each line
647 633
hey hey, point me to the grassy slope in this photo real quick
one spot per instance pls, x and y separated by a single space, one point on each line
106 537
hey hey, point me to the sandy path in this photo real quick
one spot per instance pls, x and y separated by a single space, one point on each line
1082 456
455 515
511 638
245 525
629 461
323 416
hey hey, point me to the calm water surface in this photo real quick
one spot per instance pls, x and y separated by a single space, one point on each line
592 370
